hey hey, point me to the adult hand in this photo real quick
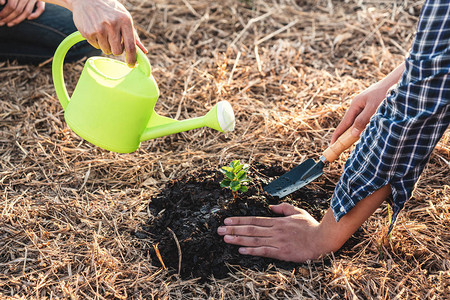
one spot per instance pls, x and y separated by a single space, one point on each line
364 105
15 11
361 109
297 236
293 237
107 25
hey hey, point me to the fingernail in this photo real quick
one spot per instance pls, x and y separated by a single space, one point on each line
221 230
228 238
1 23
228 221
355 131
243 250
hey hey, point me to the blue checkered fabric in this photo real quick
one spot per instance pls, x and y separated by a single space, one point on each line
401 135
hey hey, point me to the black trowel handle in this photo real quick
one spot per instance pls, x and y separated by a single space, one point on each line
342 143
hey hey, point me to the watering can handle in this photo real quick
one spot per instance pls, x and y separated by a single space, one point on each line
58 60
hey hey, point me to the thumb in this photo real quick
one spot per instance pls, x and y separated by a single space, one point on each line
139 43
285 209
361 122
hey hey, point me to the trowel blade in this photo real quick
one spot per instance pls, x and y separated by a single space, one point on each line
295 179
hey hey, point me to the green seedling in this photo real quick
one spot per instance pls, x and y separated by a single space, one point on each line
235 177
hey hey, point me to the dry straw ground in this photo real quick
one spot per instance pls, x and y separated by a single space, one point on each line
68 210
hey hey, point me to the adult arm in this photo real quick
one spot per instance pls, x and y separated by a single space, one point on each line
390 161
297 236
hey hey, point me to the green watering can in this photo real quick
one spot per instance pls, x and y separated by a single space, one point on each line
112 105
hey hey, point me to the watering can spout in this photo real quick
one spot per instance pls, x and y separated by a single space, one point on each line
220 118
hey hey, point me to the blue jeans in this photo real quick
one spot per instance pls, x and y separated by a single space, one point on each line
34 41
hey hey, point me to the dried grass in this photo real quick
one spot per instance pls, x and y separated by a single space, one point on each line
290 69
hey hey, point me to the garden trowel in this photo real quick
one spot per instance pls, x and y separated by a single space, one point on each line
309 170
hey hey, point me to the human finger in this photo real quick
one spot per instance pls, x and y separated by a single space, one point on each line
264 251
2 2
40 8
140 44
129 43
92 39
364 117
246 230
115 41
102 40
248 241
285 209
347 121
27 10
15 13
7 10
257 221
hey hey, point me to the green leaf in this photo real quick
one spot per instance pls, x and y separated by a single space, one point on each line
229 169
243 188
238 168
229 175
235 185
235 176
234 163
225 183
241 175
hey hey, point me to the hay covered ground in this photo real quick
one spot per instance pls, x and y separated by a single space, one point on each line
68 210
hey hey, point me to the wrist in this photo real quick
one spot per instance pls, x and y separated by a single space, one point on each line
69 4
320 243
392 78
382 86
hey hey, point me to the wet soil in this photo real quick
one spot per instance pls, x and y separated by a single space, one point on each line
187 213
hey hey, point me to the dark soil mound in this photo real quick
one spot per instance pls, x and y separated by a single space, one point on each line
194 207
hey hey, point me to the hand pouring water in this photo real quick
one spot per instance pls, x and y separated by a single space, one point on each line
112 105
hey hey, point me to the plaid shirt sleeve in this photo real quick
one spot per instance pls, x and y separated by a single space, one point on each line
401 135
